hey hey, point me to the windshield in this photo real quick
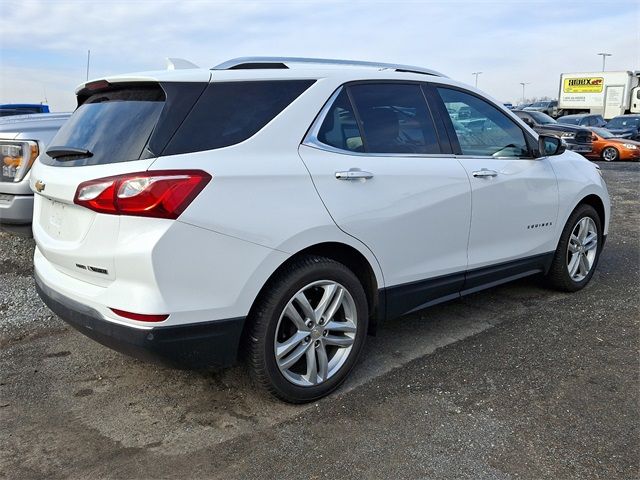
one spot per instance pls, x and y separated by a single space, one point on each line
603 133
570 120
542 118
624 122
540 104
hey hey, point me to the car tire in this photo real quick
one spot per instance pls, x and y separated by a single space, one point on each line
583 228
610 154
282 324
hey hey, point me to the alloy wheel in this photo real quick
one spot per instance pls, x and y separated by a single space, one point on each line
610 154
582 249
315 333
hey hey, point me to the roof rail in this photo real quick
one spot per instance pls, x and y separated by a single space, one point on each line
281 62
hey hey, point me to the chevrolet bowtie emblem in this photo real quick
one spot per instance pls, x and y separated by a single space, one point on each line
39 185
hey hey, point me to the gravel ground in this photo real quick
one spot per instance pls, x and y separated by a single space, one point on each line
22 314
515 382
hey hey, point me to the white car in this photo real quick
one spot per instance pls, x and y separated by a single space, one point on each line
288 205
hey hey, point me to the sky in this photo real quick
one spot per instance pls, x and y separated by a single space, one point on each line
44 43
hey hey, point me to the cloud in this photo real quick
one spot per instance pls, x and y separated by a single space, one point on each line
510 41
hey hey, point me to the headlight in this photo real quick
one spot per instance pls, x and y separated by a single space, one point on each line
568 135
630 146
17 158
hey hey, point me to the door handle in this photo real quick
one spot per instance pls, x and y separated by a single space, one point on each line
354 174
485 172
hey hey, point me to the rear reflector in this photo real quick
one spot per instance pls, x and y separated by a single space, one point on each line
139 316
159 194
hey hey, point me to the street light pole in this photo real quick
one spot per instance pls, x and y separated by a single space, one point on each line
88 60
604 57
523 84
476 74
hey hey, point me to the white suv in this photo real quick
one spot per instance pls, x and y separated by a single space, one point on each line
287 205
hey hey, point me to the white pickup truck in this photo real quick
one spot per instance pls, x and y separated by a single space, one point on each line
605 93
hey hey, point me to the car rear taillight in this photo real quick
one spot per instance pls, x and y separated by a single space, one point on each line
140 316
159 194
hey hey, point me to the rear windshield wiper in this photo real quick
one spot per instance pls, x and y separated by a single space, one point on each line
71 153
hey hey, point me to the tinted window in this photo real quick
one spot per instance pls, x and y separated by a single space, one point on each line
395 118
482 129
542 118
569 120
114 126
231 112
340 128
624 122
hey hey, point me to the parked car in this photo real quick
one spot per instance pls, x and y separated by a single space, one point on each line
608 147
509 106
583 120
290 205
9 109
625 126
550 107
22 139
577 139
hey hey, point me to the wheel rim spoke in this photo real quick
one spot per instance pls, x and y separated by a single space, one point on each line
573 264
285 347
330 292
303 301
291 313
591 241
344 327
338 341
584 264
293 358
323 363
312 366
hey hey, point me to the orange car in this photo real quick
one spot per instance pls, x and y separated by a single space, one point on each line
610 148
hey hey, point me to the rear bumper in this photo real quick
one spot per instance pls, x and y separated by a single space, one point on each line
16 209
196 345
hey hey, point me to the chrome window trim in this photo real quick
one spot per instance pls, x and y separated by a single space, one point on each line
311 140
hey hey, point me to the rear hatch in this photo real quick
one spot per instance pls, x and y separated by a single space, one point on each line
119 127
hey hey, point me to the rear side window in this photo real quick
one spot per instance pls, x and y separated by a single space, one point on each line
231 112
395 118
113 126
481 128
340 128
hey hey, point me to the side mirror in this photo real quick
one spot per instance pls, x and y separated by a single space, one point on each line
549 145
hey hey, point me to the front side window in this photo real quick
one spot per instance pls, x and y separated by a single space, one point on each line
394 118
481 128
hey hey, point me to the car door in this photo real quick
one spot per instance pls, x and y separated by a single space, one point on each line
387 179
514 195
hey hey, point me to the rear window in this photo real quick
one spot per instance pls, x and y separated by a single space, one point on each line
114 126
231 112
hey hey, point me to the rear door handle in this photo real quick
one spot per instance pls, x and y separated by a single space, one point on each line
354 174
485 172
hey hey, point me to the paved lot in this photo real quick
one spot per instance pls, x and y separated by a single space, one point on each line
516 382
